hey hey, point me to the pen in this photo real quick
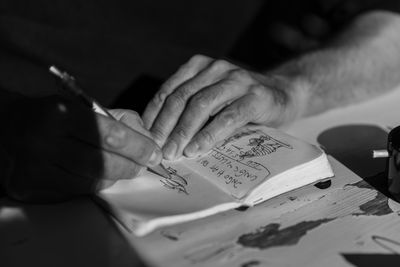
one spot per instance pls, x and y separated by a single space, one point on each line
381 153
71 86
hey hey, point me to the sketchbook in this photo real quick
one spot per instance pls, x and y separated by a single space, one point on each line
251 166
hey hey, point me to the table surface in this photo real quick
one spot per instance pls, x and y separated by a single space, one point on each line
352 222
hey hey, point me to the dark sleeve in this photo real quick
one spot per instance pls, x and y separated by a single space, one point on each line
5 169
7 107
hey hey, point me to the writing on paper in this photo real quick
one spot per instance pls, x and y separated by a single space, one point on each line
175 181
238 162
263 145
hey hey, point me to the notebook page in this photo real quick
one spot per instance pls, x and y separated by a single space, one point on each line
248 158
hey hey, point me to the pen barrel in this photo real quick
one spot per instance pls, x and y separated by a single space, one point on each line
70 85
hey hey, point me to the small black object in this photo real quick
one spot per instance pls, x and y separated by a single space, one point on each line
393 163
242 208
323 184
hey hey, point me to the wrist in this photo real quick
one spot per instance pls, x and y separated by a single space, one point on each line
296 89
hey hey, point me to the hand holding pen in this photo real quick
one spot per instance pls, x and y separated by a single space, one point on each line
58 148
130 118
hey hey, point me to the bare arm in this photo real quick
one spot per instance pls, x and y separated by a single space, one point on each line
360 63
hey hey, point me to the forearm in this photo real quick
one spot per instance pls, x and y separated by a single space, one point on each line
360 63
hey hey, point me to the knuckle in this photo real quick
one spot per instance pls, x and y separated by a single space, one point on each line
221 64
183 93
246 112
181 132
178 99
258 90
207 137
229 117
165 87
160 96
239 74
198 58
158 133
200 101
240 114
251 114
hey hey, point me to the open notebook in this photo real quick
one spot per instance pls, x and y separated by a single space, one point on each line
248 168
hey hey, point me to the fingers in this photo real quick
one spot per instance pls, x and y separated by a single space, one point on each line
99 166
234 95
119 139
125 146
114 151
177 101
184 73
198 111
82 150
116 137
119 152
234 116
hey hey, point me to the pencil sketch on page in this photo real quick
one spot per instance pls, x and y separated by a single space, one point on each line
175 181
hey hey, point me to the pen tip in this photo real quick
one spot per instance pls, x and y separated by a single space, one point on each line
55 71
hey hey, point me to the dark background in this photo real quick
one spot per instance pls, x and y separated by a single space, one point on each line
120 51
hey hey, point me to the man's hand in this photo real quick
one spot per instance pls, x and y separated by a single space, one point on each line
58 149
206 100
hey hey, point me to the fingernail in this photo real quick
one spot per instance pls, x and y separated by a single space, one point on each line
155 158
161 97
170 150
192 150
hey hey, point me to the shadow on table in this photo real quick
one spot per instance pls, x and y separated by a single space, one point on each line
73 233
372 260
352 145
366 260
